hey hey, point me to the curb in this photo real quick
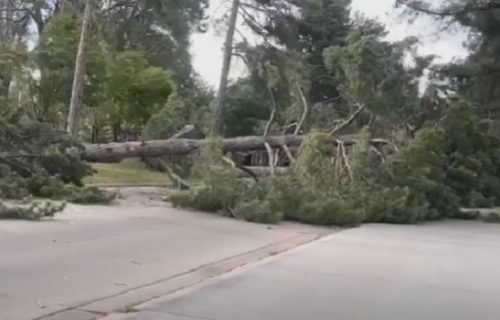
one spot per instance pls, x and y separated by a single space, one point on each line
108 308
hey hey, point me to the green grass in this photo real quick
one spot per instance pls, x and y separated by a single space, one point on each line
129 172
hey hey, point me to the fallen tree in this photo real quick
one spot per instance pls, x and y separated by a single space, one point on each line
115 152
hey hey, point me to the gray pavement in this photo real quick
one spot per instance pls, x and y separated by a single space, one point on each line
443 270
93 256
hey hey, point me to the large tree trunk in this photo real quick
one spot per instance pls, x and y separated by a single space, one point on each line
115 152
217 121
80 69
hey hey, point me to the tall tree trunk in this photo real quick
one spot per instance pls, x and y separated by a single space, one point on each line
217 121
80 68
115 152
6 42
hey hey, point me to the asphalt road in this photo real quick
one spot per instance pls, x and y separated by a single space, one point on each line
438 271
113 255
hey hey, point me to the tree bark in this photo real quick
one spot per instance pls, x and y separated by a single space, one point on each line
80 69
217 121
115 152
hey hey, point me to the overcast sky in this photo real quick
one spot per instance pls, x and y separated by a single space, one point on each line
207 47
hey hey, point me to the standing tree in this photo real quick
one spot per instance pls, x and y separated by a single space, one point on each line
217 124
80 68
477 77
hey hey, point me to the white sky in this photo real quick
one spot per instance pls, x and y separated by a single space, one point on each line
207 47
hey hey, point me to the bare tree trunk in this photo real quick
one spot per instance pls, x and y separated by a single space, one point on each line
306 109
80 69
217 121
115 152
6 42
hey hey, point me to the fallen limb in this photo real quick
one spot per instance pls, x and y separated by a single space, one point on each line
348 121
289 154
271 157
172 175
305 112
244 169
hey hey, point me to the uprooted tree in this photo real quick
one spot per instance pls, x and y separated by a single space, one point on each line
115 152
329 120
451 164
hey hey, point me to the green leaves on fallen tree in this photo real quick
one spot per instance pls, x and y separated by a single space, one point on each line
38 161
219 186
29 210
452 163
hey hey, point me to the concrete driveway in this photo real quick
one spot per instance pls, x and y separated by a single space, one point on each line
438 271
93 260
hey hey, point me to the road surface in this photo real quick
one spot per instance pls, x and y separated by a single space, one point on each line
438 271
104 258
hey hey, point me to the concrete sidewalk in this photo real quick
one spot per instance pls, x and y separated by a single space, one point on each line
438 271
93 260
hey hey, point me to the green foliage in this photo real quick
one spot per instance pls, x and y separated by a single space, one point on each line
37 161
178 112
160 29
493 217
452 163
374 73
219 187
137 90
87 195
475 77
316 26
244 111
221 191
36 210
29 147
55 59
257 211
181 198
314 186
42 185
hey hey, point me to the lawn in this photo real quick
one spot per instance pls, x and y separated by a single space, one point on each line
130 172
